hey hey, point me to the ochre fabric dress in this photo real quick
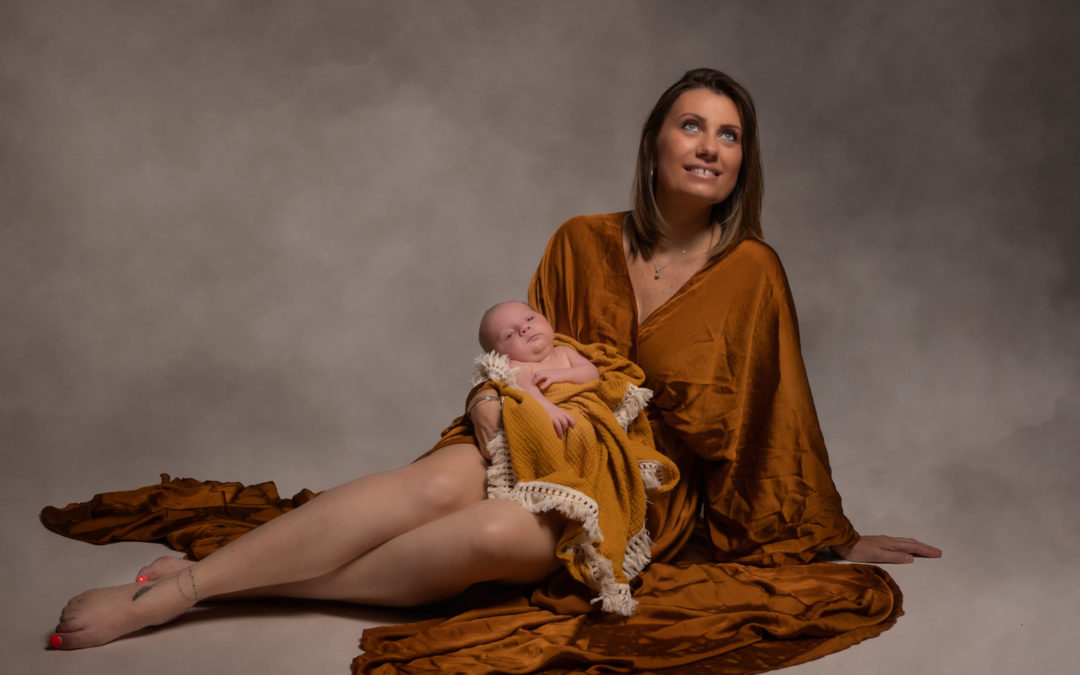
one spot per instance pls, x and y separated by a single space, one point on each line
732 409
731 404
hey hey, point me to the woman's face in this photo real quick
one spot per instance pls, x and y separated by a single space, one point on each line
698 149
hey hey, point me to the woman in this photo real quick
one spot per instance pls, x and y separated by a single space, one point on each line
683 285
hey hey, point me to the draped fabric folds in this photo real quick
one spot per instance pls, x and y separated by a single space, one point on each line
690 619
192 516
731 408
731 403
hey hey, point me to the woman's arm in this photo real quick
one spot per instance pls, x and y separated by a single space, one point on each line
879 548
485 412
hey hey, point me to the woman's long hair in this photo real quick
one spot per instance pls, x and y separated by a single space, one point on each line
739 216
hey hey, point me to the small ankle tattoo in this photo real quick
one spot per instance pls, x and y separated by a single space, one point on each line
142 591
180 587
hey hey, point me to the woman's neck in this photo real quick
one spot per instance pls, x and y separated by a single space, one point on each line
683 224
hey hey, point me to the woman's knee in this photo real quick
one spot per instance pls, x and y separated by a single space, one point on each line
510 535
451 483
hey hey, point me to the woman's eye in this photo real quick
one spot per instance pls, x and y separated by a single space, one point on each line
729 135
691 125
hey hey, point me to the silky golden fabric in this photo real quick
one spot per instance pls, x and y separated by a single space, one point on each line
731 405
196 517
596 474
691 618
732 409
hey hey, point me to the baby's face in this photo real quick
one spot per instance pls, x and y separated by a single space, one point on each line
519 331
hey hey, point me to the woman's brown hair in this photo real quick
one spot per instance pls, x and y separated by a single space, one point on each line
739 216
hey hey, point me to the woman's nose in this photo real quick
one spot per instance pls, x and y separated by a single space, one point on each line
707 148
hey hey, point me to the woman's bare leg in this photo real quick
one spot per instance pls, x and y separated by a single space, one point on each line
493 540
324 534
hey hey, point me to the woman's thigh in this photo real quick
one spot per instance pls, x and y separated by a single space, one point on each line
490 540
438 484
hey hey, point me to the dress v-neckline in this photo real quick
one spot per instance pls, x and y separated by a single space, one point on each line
638 320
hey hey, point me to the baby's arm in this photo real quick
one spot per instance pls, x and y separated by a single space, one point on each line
580 371
559 417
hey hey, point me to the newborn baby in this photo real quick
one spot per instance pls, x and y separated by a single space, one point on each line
522 334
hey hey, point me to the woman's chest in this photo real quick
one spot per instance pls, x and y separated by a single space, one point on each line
652 289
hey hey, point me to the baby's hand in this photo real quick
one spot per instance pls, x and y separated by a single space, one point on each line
545 378
560 418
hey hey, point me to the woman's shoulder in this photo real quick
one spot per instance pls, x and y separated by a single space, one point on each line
595 225
755 258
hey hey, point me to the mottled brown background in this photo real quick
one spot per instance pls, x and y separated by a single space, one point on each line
251 241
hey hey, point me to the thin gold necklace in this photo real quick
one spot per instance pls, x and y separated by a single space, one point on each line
657 270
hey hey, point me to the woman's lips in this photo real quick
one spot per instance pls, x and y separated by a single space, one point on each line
703 171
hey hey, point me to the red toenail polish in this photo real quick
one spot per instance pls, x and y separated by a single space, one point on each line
141 579
56 641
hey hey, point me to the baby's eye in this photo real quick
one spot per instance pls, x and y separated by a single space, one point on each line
530 318
509 334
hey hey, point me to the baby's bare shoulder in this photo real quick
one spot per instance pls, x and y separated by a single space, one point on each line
523 367
568 355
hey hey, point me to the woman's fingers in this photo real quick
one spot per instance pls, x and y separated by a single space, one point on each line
880 548
908 545
916 547
887 556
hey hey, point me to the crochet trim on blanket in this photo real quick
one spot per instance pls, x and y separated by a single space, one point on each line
541 496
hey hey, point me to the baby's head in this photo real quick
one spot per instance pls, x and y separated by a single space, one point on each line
516 330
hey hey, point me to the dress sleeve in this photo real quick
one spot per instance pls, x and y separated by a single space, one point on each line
769 494
547 294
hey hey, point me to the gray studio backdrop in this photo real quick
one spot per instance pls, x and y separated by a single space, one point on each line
251 240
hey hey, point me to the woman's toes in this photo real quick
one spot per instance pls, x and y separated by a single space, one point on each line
70 640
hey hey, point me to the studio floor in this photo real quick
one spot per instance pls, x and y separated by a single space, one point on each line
962 615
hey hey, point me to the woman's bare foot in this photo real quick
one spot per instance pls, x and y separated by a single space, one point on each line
163 566
104 614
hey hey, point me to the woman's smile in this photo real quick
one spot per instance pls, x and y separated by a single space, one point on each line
703 171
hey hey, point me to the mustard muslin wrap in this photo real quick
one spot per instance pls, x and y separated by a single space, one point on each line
596 475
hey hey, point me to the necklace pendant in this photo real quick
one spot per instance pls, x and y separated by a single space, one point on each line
657 275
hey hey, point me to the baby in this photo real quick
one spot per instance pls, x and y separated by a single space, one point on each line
600 475
523 335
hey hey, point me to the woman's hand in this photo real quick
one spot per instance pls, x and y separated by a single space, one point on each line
486 417
883 549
